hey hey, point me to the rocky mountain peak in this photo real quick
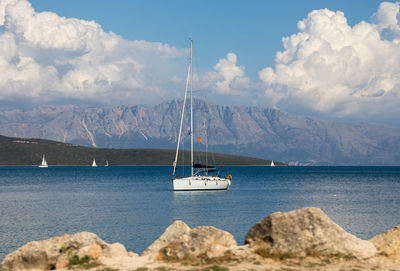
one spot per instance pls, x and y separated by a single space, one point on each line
253 131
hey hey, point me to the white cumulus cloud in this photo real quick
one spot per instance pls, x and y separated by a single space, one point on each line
227 77
338 69
46 57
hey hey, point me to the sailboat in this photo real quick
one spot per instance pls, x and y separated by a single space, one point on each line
106 165
44 163
272 163
94 163
200 178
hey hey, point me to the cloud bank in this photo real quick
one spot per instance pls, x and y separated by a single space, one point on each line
338 69
47 57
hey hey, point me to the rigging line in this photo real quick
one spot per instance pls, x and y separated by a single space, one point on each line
183 155
191 107
181 123
210 149
196 70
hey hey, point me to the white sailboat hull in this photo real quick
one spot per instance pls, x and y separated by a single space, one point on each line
201 183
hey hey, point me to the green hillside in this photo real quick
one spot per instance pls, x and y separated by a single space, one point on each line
18 151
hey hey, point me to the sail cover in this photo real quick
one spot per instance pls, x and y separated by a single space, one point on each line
204 167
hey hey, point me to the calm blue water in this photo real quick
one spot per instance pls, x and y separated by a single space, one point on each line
134 205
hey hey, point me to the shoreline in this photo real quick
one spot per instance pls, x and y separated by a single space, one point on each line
304 239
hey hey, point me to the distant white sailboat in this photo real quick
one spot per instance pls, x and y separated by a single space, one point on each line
200 179
44 163
106 165
272 163
94 163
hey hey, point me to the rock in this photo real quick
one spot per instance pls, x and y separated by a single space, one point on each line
201 241
43 255
115 250
95 251
173 232
308 231
179 242
388 242
132 254
62 262
29 257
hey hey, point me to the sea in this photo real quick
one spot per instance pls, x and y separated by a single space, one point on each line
133 205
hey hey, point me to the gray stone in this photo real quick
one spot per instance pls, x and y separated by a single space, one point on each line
173 232
43 255
115 250
308 231
204 240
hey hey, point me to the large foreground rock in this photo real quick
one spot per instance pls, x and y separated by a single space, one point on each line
53 253
388 242
308 231
173 232
180 242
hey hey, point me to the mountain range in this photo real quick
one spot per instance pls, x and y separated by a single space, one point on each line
252 131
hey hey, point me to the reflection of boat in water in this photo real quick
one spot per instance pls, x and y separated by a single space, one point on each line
202 177
94 163
44 162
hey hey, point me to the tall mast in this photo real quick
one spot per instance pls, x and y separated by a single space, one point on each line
191 106
181 124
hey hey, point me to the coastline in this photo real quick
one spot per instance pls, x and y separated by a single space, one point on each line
302 239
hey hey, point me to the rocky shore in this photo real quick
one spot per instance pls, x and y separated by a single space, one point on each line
305 239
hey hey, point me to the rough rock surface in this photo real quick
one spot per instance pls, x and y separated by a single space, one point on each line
62 262
115 250
203 240
173 232
94 251
388 242
179 242
308 231
43 255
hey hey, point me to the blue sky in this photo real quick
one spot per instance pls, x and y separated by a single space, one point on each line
251 29
326 59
